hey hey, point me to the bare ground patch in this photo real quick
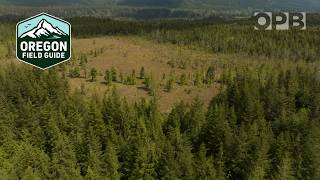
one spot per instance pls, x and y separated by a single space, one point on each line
131 53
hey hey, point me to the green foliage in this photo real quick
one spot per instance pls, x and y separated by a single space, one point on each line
114 75
63 163
83 59
240 39
198 78
93 74
131 80
29 174
183 79
170 83
74 72
150 84
142 73
121 78
210 75
245 133
108 77
205 165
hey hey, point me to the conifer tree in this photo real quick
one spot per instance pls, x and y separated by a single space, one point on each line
169 84
93 74
133 77
183 79
64 163
142 73
121 78
108 77
29 174
114 74
210 75
198 79
111 162
285 168
204 165
311 156
217 131
194 120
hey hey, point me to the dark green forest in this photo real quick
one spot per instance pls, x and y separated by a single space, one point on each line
215 35
235 39
263 124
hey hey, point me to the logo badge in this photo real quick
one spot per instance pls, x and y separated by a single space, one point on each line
280 21
43 41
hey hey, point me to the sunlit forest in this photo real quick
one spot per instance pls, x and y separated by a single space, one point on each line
263 123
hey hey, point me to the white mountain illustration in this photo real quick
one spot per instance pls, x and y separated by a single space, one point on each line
44 28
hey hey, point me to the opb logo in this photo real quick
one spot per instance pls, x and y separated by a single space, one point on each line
280 21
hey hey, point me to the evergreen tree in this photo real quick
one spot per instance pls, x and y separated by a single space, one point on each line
217 131
183 79
169 84
133 77
108 77
177 161
198 79
83 64
27 157
194 120
311 156
121 78
210 75
64 162
147 82
204 165
285 168
263 124
142 73
29 174
74 73
112 164
93 74
114 75
94 157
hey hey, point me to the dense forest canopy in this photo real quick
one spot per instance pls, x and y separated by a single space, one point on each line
264 124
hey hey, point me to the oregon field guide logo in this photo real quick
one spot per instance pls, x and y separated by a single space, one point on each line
43 41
